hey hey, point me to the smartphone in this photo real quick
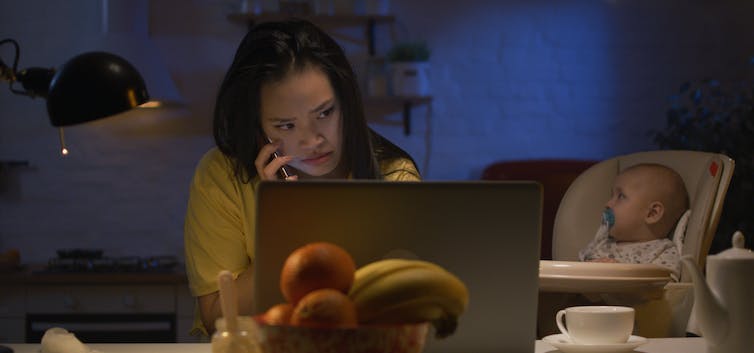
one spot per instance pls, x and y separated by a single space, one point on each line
283 173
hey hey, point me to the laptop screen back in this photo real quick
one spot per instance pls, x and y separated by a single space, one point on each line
485 232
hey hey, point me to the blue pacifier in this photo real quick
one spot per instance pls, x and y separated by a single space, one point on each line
608 217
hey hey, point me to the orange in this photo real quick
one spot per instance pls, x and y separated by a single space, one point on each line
315 266
279 314
325 308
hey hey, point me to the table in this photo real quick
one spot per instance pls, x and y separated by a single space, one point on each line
655 345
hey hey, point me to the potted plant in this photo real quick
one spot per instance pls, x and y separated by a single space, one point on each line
712 116
409 62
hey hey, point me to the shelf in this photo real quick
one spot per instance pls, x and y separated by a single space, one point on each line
390 103
324 21
13 164
406 103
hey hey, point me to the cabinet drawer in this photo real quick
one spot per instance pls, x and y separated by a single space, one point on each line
100 299
183 332
12 302
185 303
12 330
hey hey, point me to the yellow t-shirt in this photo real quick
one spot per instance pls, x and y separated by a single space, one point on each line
219 224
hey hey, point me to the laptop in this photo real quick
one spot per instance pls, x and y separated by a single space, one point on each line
485 232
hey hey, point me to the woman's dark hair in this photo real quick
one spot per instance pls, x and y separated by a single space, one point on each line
268 53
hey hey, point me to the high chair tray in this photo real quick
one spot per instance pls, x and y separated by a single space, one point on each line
597 277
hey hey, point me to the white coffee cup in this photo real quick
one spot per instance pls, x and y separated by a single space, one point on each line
596 324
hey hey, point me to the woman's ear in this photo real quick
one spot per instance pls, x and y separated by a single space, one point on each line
655 213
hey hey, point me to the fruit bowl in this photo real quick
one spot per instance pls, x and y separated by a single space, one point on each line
403 338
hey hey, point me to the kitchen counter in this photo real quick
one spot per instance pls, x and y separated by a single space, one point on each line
655 345
36 274
32 297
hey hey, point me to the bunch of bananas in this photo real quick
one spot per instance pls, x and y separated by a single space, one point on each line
405 291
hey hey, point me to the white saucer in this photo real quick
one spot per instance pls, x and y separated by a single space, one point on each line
563 343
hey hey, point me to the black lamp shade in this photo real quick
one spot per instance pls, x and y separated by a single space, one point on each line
94 85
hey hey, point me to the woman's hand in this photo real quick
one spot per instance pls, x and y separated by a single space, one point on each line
269 171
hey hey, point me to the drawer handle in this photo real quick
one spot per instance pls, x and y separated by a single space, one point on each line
129 301
70 302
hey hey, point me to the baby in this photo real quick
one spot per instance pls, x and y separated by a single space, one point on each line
646 204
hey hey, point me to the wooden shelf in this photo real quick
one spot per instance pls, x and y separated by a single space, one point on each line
324 21
390 103
406 103
13 165
392 100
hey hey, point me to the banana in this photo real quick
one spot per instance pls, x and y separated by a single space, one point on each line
367 274
401 291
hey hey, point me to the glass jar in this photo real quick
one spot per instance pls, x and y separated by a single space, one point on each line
245 340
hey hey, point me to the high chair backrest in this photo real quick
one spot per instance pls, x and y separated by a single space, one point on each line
706 175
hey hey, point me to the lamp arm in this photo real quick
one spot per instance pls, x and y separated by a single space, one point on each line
18 52
9 73
6 73
35 81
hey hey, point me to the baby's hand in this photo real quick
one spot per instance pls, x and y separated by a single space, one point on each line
604 259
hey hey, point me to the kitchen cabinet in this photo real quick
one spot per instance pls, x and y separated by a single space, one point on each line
329 22
114 306
185 306
93 299
12 313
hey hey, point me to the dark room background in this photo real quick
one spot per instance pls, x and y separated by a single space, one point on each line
583 79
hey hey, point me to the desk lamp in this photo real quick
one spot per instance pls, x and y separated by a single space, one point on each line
89 86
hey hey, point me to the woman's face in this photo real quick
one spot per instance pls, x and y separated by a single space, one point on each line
302 113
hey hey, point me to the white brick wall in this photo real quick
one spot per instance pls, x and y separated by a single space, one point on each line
511 80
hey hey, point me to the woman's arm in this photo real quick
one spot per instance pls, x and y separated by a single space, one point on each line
217 233
209 305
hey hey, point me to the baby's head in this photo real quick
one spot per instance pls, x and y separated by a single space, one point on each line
647 201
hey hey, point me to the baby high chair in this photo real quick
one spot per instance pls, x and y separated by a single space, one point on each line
662 305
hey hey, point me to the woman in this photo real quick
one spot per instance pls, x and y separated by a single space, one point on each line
288 108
